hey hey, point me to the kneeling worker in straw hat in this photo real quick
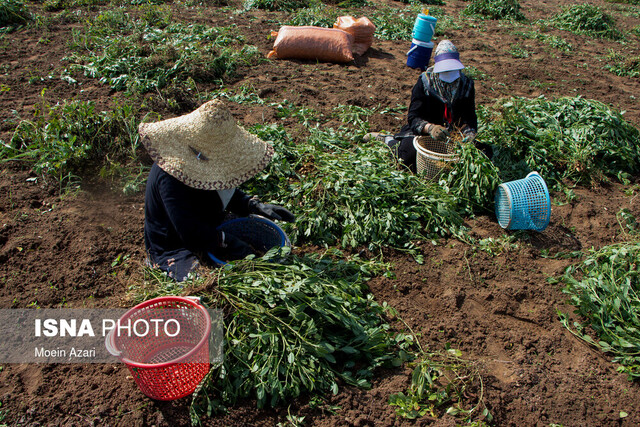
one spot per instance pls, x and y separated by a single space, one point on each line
199 161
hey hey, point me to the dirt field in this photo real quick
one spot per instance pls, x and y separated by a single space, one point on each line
500 311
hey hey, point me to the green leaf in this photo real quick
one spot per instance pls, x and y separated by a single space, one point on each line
453 411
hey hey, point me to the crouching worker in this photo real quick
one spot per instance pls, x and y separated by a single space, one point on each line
443 99
199 161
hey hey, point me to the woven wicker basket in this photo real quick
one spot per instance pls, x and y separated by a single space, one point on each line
432 156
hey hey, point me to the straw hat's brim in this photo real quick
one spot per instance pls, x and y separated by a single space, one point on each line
206 149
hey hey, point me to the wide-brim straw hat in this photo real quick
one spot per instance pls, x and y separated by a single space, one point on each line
206 149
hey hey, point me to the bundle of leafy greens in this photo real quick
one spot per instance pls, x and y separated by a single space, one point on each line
605 288
352 195
472 181
573 139
295 324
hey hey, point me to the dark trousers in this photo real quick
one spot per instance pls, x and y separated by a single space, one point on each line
404 151
177 264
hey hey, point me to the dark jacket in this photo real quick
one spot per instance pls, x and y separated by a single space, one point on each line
179 217
428 107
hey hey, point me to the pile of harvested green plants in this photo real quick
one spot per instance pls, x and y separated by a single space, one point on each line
296 324
567 140
605 288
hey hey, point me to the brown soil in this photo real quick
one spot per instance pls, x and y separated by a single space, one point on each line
500 310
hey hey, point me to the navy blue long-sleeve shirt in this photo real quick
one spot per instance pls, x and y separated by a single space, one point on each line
428 107
179 217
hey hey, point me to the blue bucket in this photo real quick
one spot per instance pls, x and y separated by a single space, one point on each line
419 54
424 27
261 233
523 204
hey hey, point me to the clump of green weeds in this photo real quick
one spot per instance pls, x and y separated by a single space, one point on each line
277 5
576 139
141 55
159 16
156 283
58 5
605 288
355 116
475 73
587 19
68 139
3 413
495 9
129 176
623 65
243 94
354 3
446 22
393 23
636 2
440 382
295 325
628 223
430 2
304 115
495 246
316 15
157 2
551 40
397 24
517 51
13 13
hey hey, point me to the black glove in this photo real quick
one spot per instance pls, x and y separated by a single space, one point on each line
270 211
232 248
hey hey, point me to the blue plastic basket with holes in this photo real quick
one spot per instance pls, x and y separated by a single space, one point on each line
523 204
260 233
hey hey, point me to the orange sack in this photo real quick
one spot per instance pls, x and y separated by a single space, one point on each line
361 29
322 44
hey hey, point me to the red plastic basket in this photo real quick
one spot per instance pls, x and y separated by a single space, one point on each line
165 367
